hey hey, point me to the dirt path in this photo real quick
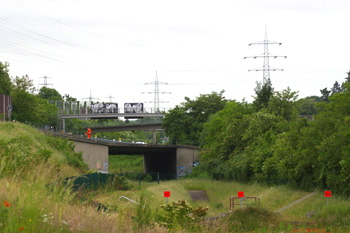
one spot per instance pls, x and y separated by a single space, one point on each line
198 195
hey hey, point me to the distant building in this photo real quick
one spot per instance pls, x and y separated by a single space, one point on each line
5 107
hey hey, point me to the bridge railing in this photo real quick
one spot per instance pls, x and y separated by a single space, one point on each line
144 141
106 140
81 135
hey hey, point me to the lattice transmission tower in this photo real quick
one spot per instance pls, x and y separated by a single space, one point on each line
90 98
45 84
110 97
266 55
156 93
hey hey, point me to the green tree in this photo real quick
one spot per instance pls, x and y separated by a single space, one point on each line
255 160
28 107
284 104
222 138
325 94
5 80
263 93
274 146
185 122
339 104
347 79
49 94
308 105
67 97
336 88
24 83
316 154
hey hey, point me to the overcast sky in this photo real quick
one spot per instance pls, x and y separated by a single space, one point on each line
113 48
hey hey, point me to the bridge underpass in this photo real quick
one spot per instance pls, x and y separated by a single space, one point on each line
156 159
166 159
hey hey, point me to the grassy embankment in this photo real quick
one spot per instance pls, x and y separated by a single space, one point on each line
29 161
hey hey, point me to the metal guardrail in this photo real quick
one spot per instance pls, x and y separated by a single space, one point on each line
129 200
232 201
294 203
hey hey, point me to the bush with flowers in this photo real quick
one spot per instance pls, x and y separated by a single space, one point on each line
4 213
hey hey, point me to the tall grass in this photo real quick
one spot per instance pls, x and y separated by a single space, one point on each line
27 203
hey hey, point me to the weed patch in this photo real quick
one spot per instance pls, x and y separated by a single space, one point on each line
251 218
180 216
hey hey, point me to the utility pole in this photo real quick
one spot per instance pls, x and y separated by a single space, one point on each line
156 93
266 67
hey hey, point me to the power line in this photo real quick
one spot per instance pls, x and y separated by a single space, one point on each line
11 24
72 26
29 51
266 66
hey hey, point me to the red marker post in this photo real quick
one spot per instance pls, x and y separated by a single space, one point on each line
327 194
166 195
240 194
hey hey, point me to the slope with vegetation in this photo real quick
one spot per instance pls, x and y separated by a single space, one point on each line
29 161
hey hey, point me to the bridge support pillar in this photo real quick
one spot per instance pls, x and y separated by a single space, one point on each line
154 139
63 125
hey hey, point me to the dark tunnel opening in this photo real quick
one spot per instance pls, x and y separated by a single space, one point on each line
157 161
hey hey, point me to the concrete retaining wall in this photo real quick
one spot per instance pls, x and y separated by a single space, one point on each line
94 155
185 157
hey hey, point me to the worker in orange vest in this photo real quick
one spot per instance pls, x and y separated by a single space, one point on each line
88 133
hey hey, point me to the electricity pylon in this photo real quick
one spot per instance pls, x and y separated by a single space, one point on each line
266 55
156 93
45 84
90 98
110 97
